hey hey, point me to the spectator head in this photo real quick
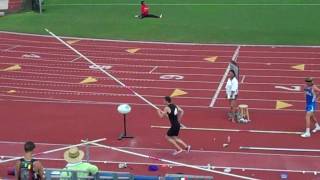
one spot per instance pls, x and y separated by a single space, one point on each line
73 155
142 2
29 146
167 99
309 81
232 74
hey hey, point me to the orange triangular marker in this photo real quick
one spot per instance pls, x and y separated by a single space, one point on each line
299 67
73 41
211 59
11 91
88 80
13 68
178 92
132 51
282 105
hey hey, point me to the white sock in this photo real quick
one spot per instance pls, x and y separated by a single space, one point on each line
317 125
308 130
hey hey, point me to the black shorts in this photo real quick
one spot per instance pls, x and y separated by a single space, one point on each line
173 131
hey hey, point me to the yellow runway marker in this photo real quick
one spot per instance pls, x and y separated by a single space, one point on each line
178 92
73 41
132 51
13 68
282 105
299 67
211 59
89 80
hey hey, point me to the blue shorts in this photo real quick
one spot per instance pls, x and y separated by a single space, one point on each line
311 107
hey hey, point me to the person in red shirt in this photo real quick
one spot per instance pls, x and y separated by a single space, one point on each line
145 12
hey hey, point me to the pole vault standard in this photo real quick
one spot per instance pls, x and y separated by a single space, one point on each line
171 162
55 150
101 69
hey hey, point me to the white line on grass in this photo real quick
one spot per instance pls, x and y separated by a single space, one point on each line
189 4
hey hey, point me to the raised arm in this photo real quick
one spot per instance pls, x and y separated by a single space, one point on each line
315 88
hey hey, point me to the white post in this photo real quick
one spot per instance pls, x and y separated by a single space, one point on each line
40 6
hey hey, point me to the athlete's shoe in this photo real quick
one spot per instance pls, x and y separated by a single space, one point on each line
188 148
177 152
305 135
160 16
317 128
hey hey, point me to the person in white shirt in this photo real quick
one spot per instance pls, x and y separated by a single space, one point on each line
232 93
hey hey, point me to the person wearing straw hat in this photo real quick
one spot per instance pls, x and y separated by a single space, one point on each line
311 105
74 158
27 167
173 113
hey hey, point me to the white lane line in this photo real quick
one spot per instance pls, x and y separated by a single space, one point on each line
24 90
75 59
173 60
41 67
231 130
38 75
36 99
120 46
152 42
242 80
172 165
153 69
278 149
167 149
47 60
188 4
67 84
224 77
148 48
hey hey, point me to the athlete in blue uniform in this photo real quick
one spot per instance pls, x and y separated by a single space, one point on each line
174 114
311 105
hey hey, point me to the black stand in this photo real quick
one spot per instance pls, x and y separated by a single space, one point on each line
124 134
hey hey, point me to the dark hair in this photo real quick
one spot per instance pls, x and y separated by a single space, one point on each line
29 146
234 74
142 2
168 99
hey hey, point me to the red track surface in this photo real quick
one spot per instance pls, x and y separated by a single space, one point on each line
50 105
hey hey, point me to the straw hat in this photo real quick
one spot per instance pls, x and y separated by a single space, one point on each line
309 79
73 155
